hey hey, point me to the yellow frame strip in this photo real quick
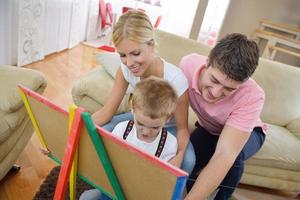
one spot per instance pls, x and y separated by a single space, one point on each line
33 120
73 174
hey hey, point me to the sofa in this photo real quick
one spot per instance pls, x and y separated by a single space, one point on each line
15 126
277 164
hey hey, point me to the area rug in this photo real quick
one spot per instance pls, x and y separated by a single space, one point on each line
47 189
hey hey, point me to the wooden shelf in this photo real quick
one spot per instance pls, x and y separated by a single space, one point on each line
293 31
273 50
268 34
278 35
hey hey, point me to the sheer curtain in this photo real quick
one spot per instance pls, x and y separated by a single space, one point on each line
8 32
49 26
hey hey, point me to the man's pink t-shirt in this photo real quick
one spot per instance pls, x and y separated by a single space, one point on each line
241 110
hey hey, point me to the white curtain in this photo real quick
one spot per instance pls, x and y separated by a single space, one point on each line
75 23
92 24
31 19
49 26
8 32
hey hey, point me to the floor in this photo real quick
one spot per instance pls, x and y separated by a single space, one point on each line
61 70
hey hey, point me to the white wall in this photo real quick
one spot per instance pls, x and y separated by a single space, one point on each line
243 16
179 16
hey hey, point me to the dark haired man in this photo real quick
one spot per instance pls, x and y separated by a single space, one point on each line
228 104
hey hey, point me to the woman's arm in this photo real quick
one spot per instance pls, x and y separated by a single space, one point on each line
183 135
117 93
230 144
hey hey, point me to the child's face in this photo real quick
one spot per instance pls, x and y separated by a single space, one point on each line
137 57
147 128
215 85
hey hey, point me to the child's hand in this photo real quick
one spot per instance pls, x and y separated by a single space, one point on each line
45 151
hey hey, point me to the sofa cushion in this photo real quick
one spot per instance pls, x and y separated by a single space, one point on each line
172 47
281 85
92 90
109 61
9 122
281 149
4 127
294 127
271 177
10 77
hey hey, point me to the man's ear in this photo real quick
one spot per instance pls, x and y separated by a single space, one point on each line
207 62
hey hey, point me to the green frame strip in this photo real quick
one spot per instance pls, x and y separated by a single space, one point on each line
101 152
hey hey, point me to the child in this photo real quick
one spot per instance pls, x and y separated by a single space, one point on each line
153 104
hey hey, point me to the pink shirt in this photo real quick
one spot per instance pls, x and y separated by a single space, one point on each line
241 110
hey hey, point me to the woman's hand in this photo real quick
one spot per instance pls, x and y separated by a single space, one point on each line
183 135
177 160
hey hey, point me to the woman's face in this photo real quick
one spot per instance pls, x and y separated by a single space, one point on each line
137 57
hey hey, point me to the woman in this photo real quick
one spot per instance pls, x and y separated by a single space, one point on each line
133 37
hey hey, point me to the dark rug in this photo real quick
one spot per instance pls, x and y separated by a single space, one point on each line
47 189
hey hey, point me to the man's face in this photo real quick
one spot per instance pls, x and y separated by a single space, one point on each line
214 85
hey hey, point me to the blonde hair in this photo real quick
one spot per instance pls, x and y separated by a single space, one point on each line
155 98
133 25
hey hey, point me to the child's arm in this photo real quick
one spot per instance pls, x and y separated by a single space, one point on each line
117 93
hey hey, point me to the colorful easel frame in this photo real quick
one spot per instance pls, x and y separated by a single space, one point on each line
125 170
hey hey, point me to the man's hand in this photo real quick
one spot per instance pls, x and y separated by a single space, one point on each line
230 144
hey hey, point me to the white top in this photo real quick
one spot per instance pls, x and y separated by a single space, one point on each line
168 152
172 74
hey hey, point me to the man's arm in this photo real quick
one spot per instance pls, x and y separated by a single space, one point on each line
183 135
230 144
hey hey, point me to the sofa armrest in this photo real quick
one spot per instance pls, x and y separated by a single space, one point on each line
92 90
10 77
12 111
294 127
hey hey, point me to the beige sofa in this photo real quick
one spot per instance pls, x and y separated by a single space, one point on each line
15 126
277 164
